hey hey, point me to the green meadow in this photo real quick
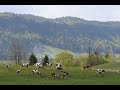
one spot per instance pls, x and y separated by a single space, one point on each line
77 76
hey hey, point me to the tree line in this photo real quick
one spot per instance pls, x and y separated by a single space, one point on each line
19 53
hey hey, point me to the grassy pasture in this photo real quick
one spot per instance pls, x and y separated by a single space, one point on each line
109 66
8 76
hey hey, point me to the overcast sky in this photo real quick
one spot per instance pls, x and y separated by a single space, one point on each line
88 12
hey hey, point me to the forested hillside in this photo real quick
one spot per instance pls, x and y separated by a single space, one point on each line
67 33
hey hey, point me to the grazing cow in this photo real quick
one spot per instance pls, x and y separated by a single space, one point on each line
65 75
25 65
37 64
40 66
100 71
55 76
48 64
58 66
18 71
36 72
86 67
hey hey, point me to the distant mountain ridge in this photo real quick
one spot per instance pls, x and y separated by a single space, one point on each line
67 33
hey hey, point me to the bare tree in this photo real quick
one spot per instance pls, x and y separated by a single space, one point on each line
17 51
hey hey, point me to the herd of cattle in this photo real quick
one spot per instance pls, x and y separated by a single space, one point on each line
58 66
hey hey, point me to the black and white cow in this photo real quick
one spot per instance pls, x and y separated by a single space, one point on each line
25 65
58 66
56 76
40 66
37 64
100 71
48 64
36 72
65 75
86 67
